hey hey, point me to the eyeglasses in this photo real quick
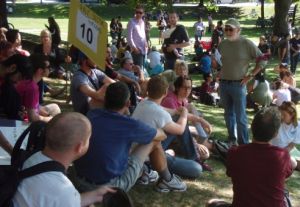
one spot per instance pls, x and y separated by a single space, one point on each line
130 63
139 12
186 87
229 29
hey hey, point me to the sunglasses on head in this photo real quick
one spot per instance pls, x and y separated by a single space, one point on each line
138 12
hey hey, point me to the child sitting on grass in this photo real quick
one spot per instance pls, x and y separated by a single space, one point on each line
289 132
207 91
281 93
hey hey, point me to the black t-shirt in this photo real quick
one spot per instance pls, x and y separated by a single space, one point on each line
263 48
294 43
217 33
179 35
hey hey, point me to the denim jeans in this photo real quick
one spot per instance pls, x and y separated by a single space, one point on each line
233 98
138 59
183 167
187 147
294 62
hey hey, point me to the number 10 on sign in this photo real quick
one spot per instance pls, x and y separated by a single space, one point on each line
87 31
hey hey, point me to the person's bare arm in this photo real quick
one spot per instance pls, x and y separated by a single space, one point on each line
177 128
5 144
160 135
171 47
256 70
91 197
125 79
205 124
290 146
96 95
34 116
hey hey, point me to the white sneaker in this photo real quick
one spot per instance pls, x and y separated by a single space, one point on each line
175 184
148 177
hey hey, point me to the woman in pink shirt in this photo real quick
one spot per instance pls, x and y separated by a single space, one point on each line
178 98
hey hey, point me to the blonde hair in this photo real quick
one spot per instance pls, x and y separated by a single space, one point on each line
291 109
45 32
181 65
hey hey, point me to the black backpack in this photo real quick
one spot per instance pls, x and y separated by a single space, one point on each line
12 175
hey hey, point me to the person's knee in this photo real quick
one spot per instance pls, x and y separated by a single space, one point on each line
53 109
195 170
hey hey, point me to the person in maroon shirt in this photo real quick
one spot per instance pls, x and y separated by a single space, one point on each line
258 170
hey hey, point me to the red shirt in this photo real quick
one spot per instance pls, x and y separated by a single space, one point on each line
258 173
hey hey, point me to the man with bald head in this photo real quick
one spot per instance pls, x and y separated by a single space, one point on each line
67 139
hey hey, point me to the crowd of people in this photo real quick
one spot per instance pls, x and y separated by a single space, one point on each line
137 125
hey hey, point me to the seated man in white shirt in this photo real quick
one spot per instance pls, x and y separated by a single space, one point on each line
54 188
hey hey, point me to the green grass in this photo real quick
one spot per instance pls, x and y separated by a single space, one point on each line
31 18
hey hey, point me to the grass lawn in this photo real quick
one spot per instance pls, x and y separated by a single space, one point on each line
31 18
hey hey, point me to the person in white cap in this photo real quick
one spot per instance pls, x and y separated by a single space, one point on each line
236 54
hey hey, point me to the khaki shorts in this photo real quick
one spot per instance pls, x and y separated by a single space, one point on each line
125 181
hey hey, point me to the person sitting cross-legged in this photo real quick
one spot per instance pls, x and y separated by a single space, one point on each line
110 159
258 170
29 91
151 113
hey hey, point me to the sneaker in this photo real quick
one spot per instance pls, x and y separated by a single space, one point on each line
175 184
148 177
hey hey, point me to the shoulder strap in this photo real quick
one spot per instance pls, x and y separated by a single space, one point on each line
42 167
90 79
19 142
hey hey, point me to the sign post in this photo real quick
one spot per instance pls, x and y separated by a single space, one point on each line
88 32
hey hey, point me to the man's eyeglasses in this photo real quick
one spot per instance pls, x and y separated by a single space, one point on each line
229 29
138 12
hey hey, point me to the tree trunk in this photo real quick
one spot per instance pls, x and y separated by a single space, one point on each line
280 27
201 3
262 9
3 14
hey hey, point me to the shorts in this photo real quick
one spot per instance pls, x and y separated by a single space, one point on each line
125 181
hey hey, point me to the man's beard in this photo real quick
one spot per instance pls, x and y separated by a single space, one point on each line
233 37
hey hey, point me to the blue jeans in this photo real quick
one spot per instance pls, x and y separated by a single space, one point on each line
294 62
187 147
138 59
233 98
183 167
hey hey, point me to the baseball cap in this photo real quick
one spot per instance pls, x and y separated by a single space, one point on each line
232 22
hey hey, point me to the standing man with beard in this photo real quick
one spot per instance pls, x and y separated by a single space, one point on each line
237 53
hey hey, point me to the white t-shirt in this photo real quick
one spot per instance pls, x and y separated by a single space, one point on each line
282 95
47 189
287 134
154 58
152 114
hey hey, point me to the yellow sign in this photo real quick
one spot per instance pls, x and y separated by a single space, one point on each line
88 32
